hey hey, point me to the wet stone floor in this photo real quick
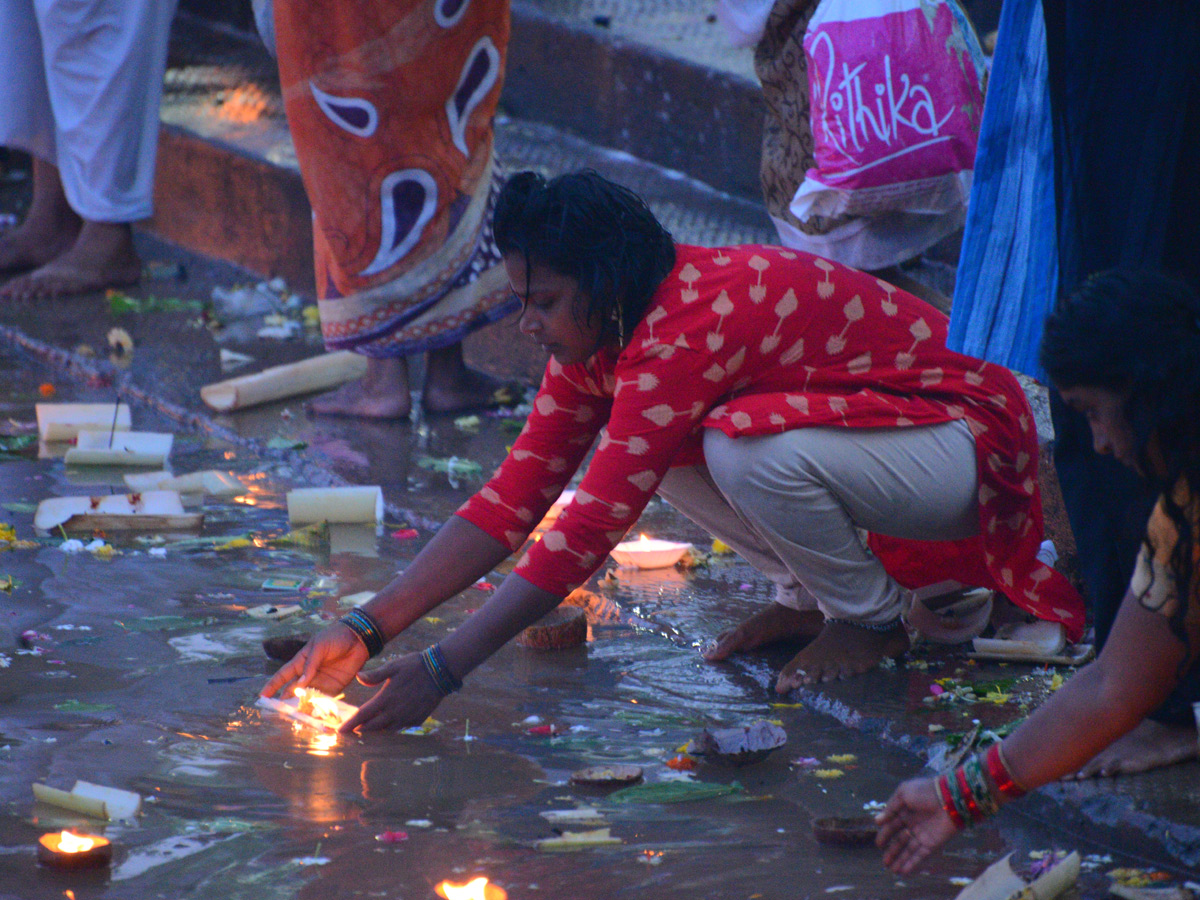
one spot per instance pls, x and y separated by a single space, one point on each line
140 671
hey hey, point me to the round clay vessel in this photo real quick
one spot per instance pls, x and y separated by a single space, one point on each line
562 627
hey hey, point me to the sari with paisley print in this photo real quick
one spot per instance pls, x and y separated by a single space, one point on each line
390 105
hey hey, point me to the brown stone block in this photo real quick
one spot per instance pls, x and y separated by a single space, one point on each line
213 199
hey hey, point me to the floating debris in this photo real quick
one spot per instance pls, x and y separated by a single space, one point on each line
740 746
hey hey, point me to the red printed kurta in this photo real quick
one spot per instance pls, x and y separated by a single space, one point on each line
758 340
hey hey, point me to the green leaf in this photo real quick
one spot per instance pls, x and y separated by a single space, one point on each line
13 443
164 623
285 443
673 792
78 706
458 466
19 507
120 303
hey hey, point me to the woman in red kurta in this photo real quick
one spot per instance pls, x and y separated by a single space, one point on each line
675 356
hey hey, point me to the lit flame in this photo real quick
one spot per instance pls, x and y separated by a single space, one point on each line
71 843
319 706
475 889
643 538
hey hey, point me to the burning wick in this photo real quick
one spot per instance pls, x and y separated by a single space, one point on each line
74 851
475 889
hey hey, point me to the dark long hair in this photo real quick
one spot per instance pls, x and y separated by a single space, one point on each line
1138 334
597 232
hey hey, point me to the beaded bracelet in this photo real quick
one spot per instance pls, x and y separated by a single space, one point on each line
438 671
997 768
367 629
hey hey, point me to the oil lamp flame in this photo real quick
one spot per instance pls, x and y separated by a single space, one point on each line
71 843
475 889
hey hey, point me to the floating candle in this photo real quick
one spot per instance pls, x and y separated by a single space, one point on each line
312 708
475 889
564 500
68 850
649 553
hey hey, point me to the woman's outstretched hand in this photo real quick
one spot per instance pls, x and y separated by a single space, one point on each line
327 663
407 697
913 825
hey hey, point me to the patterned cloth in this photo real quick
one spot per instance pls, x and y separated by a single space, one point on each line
760 340
1154 582
390 105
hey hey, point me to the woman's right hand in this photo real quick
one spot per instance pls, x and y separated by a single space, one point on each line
327 663
913 825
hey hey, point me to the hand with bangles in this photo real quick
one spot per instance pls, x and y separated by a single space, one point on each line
924 813
412 685
327 663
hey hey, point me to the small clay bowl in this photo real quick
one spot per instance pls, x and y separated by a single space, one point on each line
559 629
607 776
740 746
284 647
846 831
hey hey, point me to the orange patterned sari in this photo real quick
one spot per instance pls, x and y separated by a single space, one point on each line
390 104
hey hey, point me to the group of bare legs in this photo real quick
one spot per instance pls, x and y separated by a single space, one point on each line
55 252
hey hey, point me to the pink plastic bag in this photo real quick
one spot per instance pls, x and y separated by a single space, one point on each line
896 99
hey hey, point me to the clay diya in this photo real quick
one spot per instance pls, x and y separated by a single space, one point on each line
67 850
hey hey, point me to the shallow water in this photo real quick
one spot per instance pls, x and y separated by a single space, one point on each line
146 670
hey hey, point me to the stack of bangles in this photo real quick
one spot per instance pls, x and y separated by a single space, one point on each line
438 671
363 624
975 790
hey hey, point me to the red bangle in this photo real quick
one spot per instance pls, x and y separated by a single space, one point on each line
968 795
943 789
1006 785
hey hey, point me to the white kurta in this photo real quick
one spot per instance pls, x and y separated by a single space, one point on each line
81 88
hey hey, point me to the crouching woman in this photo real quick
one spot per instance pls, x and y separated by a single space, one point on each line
782 401
1142 399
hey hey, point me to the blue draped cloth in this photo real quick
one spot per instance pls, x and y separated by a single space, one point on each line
1007 270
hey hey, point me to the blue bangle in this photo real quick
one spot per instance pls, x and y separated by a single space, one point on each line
367 630
434 662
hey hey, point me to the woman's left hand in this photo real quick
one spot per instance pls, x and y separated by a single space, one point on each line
913 825
407 697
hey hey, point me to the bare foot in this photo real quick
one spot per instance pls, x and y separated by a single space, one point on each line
50 227
1151 745
33 244
101 257
452 387
839 651
775 622
380 394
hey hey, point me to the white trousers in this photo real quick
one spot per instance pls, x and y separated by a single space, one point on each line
80 87
793 504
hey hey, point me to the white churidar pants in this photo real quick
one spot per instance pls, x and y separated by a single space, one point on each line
792 505
80 87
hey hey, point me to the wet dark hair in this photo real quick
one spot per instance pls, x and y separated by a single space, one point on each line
1138 334
588 228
